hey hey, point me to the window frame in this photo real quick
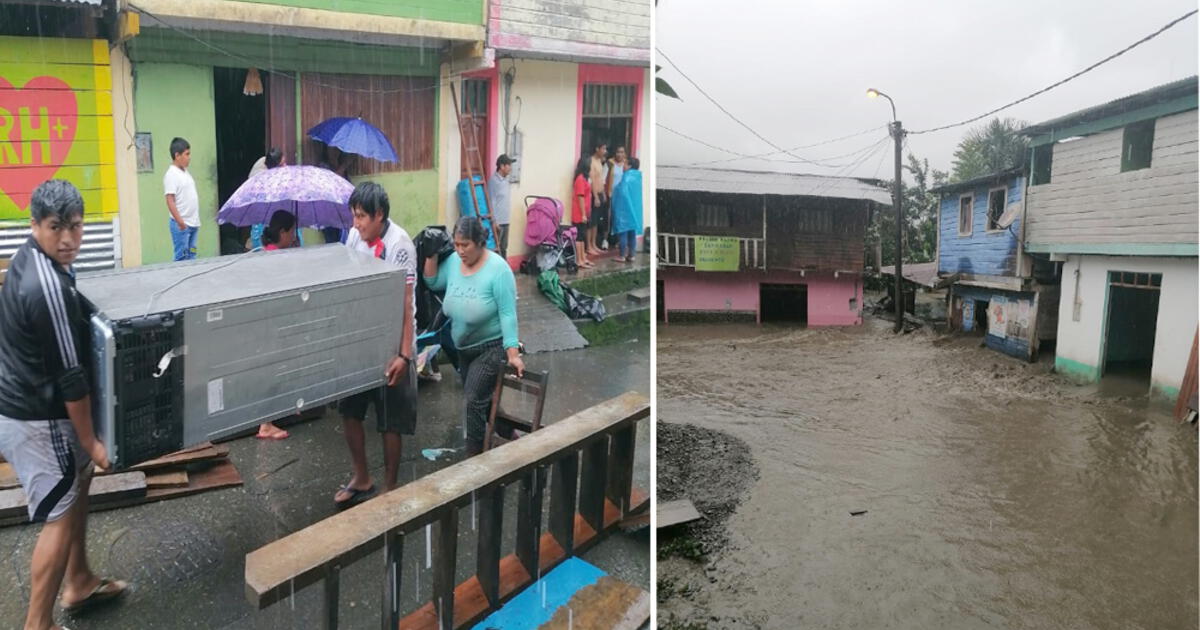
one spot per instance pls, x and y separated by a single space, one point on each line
970 214
1037 173
988 225
1142 129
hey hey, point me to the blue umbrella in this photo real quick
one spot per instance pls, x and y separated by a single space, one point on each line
355 135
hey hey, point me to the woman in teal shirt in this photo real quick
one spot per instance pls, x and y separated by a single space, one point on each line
481 302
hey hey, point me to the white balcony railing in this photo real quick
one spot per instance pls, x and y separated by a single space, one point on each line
679 250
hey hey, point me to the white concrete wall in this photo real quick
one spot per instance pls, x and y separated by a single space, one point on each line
130 244
547 116
1080 343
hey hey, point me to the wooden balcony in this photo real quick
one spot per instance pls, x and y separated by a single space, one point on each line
679 250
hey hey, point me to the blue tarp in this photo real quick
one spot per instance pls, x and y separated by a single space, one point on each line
466 208
535 605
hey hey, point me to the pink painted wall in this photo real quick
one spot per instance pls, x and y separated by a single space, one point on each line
828 297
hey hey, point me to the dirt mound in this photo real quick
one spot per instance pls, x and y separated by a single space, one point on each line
712 469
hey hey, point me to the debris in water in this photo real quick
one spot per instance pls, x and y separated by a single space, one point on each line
857 512
432 454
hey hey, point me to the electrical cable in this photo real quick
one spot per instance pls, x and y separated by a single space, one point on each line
735 119
821 163
1107 59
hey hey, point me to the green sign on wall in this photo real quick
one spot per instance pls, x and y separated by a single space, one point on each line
716 253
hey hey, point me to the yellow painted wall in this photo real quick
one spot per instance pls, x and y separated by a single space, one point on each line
547 116
56 122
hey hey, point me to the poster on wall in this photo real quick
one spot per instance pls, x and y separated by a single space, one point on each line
56 122
968 315
998 317
1019 318
716 253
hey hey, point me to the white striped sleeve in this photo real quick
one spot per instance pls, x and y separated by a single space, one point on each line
57 310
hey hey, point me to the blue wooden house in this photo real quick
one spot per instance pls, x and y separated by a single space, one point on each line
996 288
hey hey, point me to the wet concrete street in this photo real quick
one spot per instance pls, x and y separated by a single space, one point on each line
996 495
186 556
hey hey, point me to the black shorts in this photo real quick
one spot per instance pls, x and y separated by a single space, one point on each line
581 231
401 407
598 210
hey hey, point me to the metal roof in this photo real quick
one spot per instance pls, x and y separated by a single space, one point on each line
1165 92
976 181
924 274
738 182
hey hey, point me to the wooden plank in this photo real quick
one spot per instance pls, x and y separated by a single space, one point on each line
53 50
563 484
609 604
445 553
194 454
620 474
1190 384
8 476
167 479
593 482
107 489
296 561
76 76
393 554
487 568
67 152
676 512
529 518
96 204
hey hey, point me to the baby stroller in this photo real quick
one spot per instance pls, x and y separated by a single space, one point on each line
552 242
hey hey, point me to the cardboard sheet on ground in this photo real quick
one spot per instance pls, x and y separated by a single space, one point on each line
531 607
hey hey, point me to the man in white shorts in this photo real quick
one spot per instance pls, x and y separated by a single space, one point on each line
45 405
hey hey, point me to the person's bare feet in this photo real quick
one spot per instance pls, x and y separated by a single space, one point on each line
268 431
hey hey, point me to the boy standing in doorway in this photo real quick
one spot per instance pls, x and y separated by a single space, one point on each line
182 201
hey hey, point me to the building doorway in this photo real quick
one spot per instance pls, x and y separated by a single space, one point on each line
1131 323
783 303
660 306
981 316
241 122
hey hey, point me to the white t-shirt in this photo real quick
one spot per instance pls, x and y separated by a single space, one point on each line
399 250
179 182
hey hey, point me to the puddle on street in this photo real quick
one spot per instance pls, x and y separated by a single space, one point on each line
996 494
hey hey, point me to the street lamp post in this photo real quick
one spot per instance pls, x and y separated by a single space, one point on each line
897 133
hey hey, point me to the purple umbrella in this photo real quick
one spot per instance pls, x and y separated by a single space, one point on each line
318 197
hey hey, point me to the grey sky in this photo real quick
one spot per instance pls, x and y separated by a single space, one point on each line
797 72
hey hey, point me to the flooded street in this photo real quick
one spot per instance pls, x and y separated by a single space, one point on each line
996 495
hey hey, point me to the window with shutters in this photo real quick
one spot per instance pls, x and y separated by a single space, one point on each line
966 203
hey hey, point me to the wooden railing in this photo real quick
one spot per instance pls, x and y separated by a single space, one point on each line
603 436
679 250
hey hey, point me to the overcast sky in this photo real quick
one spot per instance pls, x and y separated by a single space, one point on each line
797 72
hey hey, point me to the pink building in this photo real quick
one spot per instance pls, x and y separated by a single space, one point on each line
759 246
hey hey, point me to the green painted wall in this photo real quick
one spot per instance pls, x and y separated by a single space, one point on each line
175 100
413 195
282 53
460 11
1076 371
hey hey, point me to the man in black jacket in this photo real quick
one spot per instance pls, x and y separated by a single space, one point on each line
45 407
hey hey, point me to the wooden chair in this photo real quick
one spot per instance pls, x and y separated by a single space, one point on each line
533 382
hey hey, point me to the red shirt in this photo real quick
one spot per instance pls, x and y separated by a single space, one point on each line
582 188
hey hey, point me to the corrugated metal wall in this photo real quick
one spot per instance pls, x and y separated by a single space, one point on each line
100 248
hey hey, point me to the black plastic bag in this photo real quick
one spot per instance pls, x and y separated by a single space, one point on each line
433 240
580 305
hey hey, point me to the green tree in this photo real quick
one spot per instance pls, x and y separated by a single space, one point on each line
920 214
990 148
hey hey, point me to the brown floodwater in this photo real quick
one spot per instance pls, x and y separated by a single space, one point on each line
996 494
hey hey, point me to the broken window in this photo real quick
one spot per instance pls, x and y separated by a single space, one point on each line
1137 145
1043 157
714 216
965 204
997 200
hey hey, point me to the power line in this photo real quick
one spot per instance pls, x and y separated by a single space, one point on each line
254 64
765 156
778 149
821 163
1073 76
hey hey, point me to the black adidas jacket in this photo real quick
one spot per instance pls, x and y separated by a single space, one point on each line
43 338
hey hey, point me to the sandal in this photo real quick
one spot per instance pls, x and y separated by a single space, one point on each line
356 496
102 593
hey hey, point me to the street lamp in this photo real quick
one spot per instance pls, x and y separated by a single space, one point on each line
897 132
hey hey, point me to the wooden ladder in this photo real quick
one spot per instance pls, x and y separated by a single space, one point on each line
470 146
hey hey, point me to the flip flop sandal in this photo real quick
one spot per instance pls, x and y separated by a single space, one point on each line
356 496
99 595
282 435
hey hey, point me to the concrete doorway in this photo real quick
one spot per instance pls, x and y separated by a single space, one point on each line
1130 326
783 303
241 139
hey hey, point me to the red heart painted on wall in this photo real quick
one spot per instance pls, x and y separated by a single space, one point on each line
37 129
